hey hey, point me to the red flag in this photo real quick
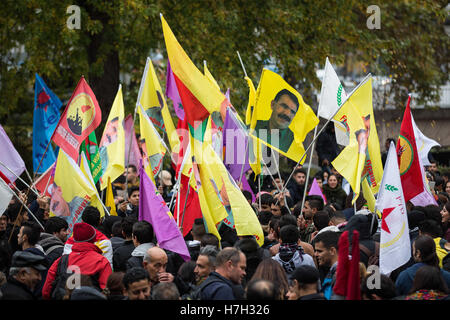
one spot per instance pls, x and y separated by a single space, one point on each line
408 158
45 181
192 211
81 116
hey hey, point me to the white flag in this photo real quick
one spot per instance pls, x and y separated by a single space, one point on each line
5 196
395 246
423 143
332 95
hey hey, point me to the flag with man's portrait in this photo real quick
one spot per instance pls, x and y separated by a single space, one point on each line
281 119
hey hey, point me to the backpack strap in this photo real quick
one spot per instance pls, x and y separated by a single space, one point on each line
366 250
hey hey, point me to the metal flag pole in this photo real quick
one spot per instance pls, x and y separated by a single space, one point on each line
26 207
21 180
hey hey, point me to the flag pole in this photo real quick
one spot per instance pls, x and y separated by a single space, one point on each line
26 207
324 126
21 180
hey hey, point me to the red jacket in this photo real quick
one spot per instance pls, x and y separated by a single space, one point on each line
88 258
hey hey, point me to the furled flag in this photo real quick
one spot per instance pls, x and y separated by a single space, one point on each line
236 149
45 118
199 96
11 163
81 116
112 144
251 101
281 119
332 95
6 195
153 208
172 92
408 157
423 143
90 148
316 191
350 162
153 102
209 75
71 191
395 245
109 201
132 151
153 147
96 200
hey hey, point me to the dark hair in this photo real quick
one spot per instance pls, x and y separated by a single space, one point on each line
91 215
264 217
32 230
132 189
386 290
266 198
247 194
132 166
114 284
315 202
186 271
427 248
209 239
321 220
55 224
143 231
289 234
299 170
328 238
431 227
165 291
429 277
433 212
127 225
116 229
261 289
198 228
306 274
133 275
337 215
287 219
292 96
415 217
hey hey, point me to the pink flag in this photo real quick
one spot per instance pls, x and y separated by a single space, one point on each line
133 155
172 92
315 190
10 159
153 208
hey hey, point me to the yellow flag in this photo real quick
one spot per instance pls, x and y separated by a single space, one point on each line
350 162
254 146
152 100
199 95
281 119
225 200
251 101
110 199
95 201
209 75
153 147
71 191
373 167
112 144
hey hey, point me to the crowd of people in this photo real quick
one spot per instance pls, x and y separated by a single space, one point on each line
118 257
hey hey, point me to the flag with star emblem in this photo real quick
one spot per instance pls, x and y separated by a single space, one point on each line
395 245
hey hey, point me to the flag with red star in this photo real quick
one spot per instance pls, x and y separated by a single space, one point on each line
395 245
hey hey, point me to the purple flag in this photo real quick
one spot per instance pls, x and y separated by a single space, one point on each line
10 158
234 142
153 208
315 190
133 155
172 92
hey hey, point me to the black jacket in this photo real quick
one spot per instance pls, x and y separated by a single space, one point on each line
15 290
314 296
53 247
121 255
362 223
221 288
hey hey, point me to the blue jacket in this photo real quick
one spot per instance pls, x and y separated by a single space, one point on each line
221 288
405 279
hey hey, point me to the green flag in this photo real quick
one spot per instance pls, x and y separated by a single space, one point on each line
90 148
